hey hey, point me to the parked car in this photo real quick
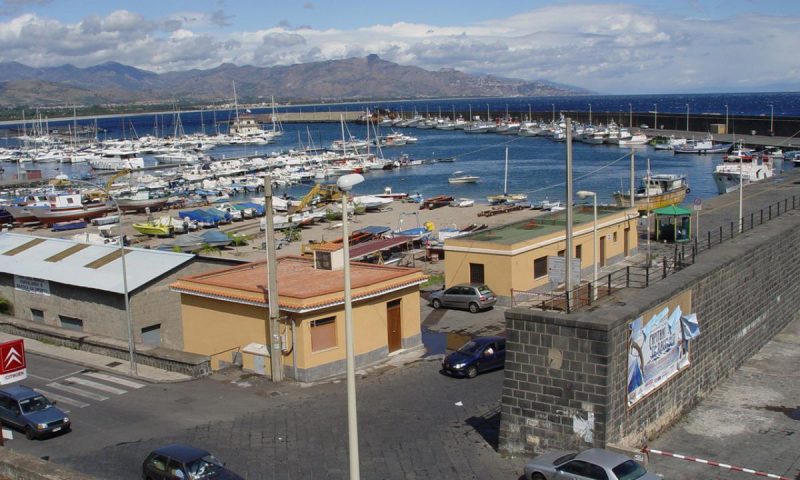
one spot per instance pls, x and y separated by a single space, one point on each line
184 462
28 410
477 355
473 296
592 463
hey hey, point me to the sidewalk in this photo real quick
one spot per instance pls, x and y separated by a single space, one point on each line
96 361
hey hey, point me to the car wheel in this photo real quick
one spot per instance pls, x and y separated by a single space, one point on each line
436 303
29 433
538 476
473 307
472 371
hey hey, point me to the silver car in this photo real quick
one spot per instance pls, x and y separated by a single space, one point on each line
592 464
474 297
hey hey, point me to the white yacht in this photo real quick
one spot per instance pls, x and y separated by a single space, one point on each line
751 168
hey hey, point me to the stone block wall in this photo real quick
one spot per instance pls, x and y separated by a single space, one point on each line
566 375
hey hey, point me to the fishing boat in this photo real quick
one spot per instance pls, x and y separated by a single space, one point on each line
68 207
158 228
435 202
656 191
707 145
506 197
141 200
742 168
461 177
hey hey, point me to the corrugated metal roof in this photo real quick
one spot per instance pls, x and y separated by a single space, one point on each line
141 265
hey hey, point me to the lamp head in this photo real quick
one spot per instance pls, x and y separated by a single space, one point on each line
585 194
347 182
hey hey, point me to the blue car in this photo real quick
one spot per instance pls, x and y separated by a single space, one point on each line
184 462
478 355
29 411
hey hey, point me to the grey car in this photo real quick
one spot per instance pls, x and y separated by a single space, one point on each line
592 464
474 297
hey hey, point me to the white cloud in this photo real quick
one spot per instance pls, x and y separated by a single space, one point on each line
612 48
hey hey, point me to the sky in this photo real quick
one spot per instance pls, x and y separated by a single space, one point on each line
629 47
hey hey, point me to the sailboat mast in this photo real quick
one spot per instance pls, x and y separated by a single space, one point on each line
235 103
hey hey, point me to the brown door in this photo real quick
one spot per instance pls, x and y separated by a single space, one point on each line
393 324
627 242
602 253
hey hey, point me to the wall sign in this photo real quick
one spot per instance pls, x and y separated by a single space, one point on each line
31 285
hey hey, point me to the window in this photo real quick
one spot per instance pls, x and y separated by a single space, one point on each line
37 315
476 273
561 253
540 267
615 236
152 335
322 260
578 251
175 469
71 323
323 334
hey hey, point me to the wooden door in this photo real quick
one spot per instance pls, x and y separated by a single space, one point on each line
393 324
627 242
602 253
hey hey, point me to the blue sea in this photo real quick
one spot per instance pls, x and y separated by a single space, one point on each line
536 165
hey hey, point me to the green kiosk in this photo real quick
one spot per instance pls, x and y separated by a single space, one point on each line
673 224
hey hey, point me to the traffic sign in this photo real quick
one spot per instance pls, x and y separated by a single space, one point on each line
698 204
12 362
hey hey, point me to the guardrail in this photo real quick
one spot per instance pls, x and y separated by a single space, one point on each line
642 276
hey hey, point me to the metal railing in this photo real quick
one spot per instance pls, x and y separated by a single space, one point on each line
642 276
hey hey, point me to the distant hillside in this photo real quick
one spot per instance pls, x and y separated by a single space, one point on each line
350 79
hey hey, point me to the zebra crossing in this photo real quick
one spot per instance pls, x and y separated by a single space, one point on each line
76 390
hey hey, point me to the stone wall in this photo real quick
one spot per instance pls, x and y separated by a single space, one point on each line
20 466
566 375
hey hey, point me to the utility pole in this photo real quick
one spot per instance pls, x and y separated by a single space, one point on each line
273 335
569 253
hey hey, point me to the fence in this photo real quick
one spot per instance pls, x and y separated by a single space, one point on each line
642 276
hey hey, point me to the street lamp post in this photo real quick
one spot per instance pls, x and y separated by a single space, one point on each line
726 119
590 114
128 318
586 194
771 119
655 115
687 117
346 184
630 116
741 195
554 112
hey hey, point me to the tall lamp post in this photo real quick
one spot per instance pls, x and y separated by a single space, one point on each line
554 112
726 119
586 194
655 115
630 116
129 320
771 119
687 117
346 184
590 114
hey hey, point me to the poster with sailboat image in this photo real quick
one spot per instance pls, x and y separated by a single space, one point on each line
658 346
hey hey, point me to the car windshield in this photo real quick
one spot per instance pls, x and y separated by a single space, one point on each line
484 290
470 348
628 470
34 404
203 467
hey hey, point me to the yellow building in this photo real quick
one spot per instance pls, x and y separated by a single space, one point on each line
515 256
225 314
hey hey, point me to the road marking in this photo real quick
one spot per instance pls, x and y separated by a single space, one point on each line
47 379
96 386
111 378
77 391
59 398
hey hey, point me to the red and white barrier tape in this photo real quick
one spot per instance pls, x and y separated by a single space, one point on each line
714 464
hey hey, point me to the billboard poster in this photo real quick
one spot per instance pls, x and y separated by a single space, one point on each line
658 346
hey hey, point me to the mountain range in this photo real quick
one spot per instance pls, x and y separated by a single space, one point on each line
349 79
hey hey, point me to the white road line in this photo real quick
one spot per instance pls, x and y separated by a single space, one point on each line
60 399
96 386
113 379
77 391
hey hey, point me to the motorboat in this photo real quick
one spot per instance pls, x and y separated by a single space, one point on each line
372 202
462 202
158 228
656 191
461 177
707 145
667 143
741 169
141 200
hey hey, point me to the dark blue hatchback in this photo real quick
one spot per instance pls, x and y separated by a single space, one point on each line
28 410
186 463
478 355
